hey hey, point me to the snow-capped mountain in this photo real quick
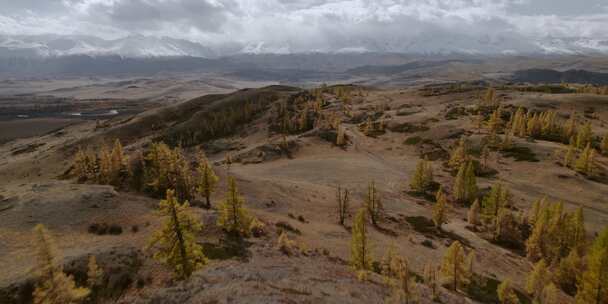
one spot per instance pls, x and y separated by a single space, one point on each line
139 46
130 46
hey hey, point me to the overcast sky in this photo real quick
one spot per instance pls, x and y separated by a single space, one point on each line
306 24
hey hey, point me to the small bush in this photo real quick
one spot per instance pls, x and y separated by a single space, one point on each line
257 228
103 229
414 140
520 153
428 244
286 246
115 230
99 229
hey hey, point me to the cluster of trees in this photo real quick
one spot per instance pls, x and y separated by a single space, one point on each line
175 242
540 125
494 214
590 89
586 276
108 166
162 170
459 155
558 246
297 114
216 123
465 184
581 160
464 190
422 180
174 245
159 169
456 270
397 275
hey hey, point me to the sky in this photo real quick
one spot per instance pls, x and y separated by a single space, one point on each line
311 25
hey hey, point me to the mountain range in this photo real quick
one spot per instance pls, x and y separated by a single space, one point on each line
138 46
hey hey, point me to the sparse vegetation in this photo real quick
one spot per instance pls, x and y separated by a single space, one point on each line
481 125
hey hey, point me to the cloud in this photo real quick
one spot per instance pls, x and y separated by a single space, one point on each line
314 25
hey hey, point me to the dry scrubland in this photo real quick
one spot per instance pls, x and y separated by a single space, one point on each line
289 150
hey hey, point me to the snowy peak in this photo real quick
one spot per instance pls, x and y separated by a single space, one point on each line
130 46
138 46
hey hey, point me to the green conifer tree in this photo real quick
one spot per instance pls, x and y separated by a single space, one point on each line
537 280
570 129
105 165
473 213
584 163
550 294
465 184
54 286
232 214
343 201
506 294
119 165
404 285
422 179
495 122
85 166
207 180
373 204
570 154
537 207
536 243
569 270
517 122
440 209
94 273
498 198
175 243
490 97
584 135
459 189
453 267
593 285
360 249
459 154
430 279
576 231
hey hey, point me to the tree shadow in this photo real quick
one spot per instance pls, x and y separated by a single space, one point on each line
228 248
426 227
